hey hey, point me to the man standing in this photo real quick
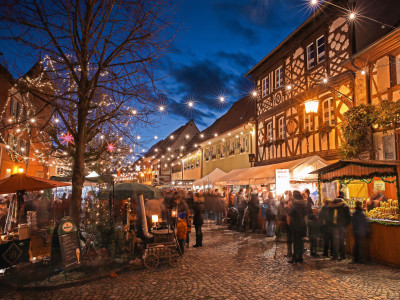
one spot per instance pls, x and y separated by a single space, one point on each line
341 218
297 213
198 218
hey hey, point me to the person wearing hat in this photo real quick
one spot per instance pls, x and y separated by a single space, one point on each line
297 212
181 230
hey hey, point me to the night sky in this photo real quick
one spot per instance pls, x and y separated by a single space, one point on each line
217 43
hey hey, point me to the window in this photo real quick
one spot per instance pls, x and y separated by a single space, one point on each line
269 132
281 123
320 49
221 150
232 147
328 111
278 77
265 86
10 141
310 56
308 121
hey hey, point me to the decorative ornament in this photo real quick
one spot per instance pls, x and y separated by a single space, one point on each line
110 148
67 138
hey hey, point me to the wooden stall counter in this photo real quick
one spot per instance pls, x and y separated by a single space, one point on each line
383 245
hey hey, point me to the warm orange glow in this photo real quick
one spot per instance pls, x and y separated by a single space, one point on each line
311 106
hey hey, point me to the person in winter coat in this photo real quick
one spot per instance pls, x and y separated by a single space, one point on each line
341 219
325 222
313 233
242 205
297 212
288 202
181 231
198 218
360 232
272 211
254 209
219 206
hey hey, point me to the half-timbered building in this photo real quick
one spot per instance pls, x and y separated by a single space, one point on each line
309 65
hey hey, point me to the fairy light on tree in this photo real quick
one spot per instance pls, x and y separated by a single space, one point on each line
84 79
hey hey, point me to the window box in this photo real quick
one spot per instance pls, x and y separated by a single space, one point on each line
231 152
269 143
213 156
305 134
325 128
242 150
279 142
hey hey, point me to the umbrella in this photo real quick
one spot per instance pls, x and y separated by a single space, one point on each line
23 182
130 190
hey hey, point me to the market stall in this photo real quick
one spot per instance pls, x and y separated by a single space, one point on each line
16 236
294 175
376 183
209 180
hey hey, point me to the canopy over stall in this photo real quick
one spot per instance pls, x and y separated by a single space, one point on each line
299 170
23 182
211 178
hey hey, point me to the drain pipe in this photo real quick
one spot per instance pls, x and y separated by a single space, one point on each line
144 220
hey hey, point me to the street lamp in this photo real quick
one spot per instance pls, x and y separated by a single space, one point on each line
311 106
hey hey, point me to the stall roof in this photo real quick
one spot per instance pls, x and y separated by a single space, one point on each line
299 170
358 168
210 178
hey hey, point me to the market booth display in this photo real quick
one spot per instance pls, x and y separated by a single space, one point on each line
283 176
16 237
376 184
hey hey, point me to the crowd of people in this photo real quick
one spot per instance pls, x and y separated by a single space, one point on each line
291 217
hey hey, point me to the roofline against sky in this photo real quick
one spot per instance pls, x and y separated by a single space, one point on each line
273 51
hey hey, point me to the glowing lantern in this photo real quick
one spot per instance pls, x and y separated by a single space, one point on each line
311 106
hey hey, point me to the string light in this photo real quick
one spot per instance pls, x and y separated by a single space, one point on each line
222 99
156 137
254 93
352 15
161 108
190 104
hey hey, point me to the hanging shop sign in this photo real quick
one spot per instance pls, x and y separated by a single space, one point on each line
282 180
379 185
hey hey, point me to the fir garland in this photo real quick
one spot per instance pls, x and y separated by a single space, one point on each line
382 222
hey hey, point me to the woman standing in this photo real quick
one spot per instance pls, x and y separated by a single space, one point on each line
271 215
297 212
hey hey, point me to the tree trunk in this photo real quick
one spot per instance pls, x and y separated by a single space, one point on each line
78 171
78 178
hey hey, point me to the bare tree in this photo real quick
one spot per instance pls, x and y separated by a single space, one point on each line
96 71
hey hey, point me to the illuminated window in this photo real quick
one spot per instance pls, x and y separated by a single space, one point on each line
308 121
281 128
269 132
328 111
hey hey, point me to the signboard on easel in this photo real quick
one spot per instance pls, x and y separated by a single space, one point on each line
66 245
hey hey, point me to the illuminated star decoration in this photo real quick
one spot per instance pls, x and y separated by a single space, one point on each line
110 148
67 138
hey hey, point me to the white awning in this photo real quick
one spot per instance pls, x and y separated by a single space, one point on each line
210 178
299 170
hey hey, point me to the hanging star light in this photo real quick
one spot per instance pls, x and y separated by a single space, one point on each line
67 138
110 148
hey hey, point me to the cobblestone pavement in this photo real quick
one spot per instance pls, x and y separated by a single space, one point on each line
234 265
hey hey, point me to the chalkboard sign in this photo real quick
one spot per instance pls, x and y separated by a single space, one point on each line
65 245
70 251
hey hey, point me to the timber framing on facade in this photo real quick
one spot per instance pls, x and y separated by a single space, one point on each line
308 64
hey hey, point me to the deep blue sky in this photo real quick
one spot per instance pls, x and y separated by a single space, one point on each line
218 42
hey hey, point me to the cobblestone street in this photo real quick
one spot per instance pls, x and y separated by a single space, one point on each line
234 265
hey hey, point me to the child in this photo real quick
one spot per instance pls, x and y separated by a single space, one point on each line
181 230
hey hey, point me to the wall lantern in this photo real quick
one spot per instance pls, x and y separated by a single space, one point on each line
311 106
